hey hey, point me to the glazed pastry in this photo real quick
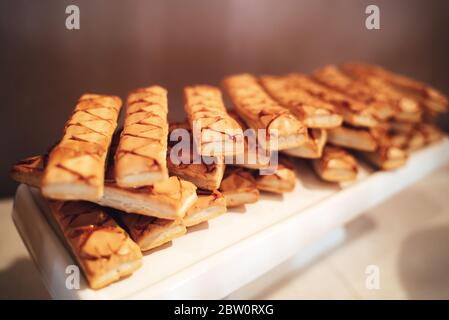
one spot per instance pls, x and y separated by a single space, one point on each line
76 165
259 111
151 232
215 133
312 148
416 141
353 138
336 165
431 133
386 157
378 102
210 204
401 127
102 249
140 158
168 199
406 108
429 97
203 171
254 155
312 111
239 187
282 180
354 112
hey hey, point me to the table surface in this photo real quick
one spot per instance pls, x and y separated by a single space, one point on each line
405 238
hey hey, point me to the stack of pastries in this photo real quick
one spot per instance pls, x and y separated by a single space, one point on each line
114 193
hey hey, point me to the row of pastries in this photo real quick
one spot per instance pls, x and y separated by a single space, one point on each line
116 191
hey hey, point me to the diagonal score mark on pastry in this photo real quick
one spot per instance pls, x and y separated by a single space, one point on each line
254 155
214 131
210 204
406 109
260 111
428 97
353 111
203 171
100 246
168 199
76 165
336 165
312 111
378 102
140 159
239 187
312 148
283 179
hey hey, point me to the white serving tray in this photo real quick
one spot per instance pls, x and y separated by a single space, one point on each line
214 259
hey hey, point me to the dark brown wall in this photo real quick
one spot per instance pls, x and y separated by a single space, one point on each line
125 44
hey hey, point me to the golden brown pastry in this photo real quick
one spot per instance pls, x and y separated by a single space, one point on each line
254 155
151 232
312 148
406 108
281 129
378 102
239 187
416 140
76 165
215 133
386 157
210 204
429 97
353 138
203 171
102 249
140 158
354 112
168 199
431 132
282 180
312 111
336 165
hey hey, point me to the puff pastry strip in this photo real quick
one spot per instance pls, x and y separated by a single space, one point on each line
379 102
260 111
210 204
203 171
406 108
386 157
254 155
239 187
102 249
76 165
312 148
151 232
140 158
282 180
312 111
215 133
354 112
352 138
336 165
429 97
168 199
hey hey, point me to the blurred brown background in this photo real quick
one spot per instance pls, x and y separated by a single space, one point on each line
126 44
